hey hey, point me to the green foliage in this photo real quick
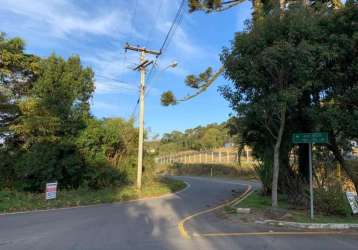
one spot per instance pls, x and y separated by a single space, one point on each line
59 102
197 82
264 172
49 162
48 130
304 60
167 98
13 201
17 72
331 200
211 5
199 138
110 141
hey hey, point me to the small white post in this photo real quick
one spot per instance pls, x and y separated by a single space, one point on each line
311 178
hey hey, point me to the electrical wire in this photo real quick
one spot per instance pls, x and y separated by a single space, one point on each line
154 24
134 13
167 40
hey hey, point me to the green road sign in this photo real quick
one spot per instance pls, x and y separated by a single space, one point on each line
310 138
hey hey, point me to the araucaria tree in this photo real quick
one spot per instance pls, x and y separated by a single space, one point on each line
277 64
270 65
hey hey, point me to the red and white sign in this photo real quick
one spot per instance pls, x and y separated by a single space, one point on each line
51 190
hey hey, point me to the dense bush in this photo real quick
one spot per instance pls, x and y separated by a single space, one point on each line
111 142
264 172
47 132
30 169
331 200
49 162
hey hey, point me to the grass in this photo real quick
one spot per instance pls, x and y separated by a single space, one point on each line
259 204
14 201
243 171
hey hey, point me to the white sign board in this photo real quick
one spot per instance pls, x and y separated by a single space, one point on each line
352 199
51 190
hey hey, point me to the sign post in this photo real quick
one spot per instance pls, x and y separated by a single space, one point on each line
311 179
352 199
310 138
51 190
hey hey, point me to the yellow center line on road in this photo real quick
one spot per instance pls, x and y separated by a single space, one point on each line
288 233
248 191
181 224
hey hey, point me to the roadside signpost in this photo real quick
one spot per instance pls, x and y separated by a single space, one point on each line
51 190
352 199
310 138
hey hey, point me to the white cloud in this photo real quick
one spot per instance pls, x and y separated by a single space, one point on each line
114 87
111 63
62 17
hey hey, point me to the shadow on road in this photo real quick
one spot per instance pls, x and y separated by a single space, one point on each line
148 224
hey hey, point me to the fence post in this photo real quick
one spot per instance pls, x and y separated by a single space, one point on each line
219 156
247 155
227 156
212 156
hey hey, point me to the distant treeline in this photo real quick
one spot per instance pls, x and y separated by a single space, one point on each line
199 138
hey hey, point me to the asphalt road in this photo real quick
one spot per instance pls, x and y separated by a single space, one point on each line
151 225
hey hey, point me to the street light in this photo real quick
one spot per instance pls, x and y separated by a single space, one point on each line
172 65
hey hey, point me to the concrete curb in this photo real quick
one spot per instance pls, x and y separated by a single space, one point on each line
338 226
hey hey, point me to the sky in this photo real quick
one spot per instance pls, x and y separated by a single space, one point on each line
97 30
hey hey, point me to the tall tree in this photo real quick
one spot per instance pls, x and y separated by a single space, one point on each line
271 66
17 73
59 102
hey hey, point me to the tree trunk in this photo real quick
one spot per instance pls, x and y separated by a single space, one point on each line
276 158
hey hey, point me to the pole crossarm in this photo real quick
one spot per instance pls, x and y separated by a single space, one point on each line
143 65
142 49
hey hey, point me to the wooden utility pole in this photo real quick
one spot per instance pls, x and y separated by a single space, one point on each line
142 68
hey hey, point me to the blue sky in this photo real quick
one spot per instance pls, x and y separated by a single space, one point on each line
97 31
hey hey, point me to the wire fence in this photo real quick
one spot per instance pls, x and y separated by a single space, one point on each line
224 155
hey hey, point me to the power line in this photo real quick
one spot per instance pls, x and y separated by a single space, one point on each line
169 36
175 21
111 79
154 24
125 54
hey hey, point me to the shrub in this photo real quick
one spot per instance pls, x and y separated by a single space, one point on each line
7 174
48 162
331 200
264 172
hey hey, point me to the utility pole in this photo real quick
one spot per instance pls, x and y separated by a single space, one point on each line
142 68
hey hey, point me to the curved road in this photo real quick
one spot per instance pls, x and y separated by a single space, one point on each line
151 225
